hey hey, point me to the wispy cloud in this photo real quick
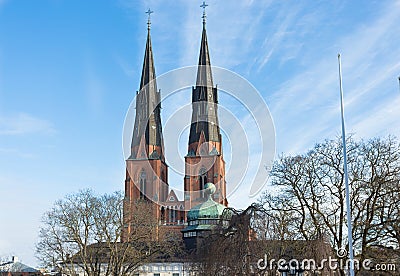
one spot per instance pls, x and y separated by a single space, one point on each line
278 31
23 123
94 90
126 67
311 98
381 120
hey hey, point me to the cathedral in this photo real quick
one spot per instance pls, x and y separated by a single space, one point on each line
146 168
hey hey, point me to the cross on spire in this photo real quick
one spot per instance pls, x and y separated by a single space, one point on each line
149 12
204 6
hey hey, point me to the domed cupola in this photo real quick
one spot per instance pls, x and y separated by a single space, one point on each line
204 217
208 209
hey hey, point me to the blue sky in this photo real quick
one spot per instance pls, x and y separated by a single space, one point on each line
69 70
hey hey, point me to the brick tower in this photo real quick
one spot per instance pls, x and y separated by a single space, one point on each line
204 162
146 170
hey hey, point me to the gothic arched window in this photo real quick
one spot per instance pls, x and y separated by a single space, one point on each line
202 181
162 214
142 184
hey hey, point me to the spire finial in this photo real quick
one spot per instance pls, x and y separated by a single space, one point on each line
149 12
204 6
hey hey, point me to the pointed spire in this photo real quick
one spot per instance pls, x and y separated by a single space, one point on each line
204 98
148 71
148 118
204 74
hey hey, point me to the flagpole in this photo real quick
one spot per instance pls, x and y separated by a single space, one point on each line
346 176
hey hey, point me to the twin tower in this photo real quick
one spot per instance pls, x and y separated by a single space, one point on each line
146 168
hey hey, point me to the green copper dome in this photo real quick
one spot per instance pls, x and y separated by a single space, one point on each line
207 209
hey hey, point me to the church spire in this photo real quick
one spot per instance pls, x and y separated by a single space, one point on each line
147 139
204 161
204 75
204 98
148 71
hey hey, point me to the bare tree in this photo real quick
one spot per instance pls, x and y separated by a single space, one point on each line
226 249
82 232
310 201
236 248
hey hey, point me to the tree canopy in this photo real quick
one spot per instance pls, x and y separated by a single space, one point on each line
83 232
309 202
